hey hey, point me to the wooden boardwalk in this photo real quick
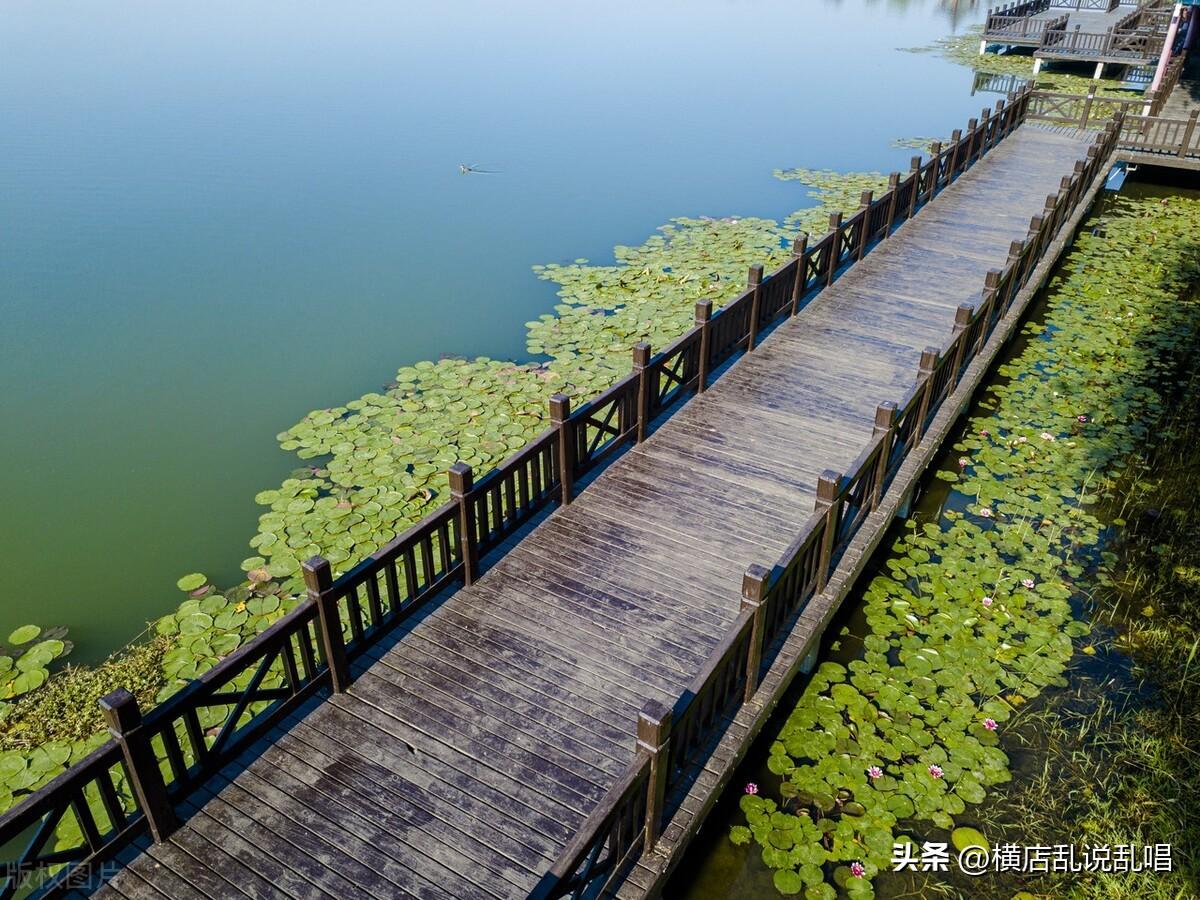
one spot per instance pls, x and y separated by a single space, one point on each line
474 742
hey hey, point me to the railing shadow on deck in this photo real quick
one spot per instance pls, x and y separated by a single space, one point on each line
673 743
137 781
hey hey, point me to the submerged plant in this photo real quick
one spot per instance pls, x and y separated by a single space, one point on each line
938 674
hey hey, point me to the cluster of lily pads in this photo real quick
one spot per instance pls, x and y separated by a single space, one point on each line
975 618
25 661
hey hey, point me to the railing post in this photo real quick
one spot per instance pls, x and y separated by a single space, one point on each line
925 370
754 593
703 322
654 740
560 418
956 144
885 423
1015 249
935 154
318 579
914 171
893 194
864 229
462 480
1035 235
829 502
1189 129
799 249
991 291
641 362
835 246
754 283
962 321
124 720
1087 107
972 133
985 142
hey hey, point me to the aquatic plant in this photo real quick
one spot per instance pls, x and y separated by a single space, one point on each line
938 674
963 49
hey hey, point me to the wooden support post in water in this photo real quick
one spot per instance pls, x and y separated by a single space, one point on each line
754 594
754 283
885 423
462 480
560 419
124 720
893 196
641 363
654 740
835 246
864 230
704 323
829 502
799 249
318 579
925 370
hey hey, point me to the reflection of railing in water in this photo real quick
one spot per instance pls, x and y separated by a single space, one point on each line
987 83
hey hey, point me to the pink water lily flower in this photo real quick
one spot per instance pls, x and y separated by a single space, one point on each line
986 512
1027 583
985 433
752 788
989 724
987 601
874 772
1081 419
935 771
1022 439
857 869
1047 436
963 462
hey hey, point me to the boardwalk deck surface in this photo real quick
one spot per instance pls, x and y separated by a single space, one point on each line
476 742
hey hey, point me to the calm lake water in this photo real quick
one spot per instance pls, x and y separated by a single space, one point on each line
217 216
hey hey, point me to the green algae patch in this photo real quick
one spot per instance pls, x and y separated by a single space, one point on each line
974 618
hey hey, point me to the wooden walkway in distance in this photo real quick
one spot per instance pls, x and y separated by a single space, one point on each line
479 738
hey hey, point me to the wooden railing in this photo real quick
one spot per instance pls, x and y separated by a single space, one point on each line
673 742
135 782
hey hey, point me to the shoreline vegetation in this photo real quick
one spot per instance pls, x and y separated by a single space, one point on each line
985 607
370 468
